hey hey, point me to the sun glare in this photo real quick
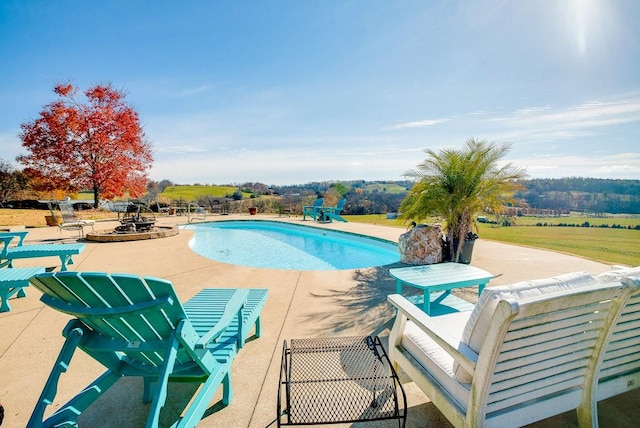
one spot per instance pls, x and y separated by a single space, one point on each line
586 21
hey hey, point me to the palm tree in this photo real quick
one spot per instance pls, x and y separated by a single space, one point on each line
456 184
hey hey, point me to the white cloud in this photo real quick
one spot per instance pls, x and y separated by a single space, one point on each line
548 141
598 127
531 110
618 166
481 113
282 166
586 115
417 124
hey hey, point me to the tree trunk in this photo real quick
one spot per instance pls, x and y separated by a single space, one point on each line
453 254
458 249
96 197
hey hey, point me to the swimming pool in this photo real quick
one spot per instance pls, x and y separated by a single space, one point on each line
276 245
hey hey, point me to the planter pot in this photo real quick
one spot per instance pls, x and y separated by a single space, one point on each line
253 210
51 221
465 253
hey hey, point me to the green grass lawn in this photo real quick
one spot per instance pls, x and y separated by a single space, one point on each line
193 193
627 221
607 245
615 246
387 187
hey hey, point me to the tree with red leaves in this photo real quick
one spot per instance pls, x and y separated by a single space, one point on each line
97 145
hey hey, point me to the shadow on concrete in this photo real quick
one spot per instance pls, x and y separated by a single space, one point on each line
122 405
362 308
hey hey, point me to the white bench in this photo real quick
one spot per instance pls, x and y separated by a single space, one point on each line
620 368
526 352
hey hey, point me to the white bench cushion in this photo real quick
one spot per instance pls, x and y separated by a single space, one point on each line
476 328
433 358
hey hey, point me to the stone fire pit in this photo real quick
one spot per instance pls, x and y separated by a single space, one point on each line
114 236
137 219
138 223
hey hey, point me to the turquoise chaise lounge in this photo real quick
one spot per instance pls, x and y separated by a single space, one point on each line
314 211
21 251
13 281
137 327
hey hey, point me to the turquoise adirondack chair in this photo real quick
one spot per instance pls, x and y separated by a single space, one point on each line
314 211
333 213
137 327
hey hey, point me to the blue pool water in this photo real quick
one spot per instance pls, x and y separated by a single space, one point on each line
276 245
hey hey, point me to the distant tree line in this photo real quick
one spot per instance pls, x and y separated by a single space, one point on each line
583 194
588 195
363 197
587 224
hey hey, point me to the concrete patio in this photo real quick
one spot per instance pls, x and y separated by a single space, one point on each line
301 304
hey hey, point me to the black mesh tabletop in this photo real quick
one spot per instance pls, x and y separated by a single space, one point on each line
342 379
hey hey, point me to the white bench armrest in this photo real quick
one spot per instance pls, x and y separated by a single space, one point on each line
462 354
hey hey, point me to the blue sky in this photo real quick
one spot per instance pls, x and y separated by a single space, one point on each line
285 92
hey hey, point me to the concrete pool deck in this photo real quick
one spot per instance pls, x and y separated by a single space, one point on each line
301 304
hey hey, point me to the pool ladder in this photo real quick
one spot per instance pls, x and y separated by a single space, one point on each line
197 209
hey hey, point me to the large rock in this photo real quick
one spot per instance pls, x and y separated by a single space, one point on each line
422 245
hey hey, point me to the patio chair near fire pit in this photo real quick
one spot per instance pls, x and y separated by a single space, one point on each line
66 219
118 207
137 327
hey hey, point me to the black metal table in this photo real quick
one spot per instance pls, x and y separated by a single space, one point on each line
341 379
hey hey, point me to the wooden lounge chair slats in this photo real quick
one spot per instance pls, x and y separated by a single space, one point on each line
20 251
200 307
13 282
137 327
